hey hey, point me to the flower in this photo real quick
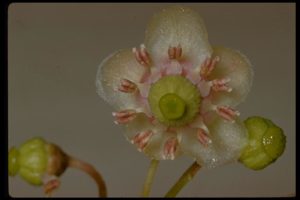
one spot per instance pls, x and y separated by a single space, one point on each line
176 94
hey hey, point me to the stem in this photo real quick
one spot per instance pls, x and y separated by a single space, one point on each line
183 180
149 179
89 169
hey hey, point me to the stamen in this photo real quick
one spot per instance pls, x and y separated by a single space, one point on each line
220 85
127 86
50 186
145 76
227 112
175 52
203 137
184 72
124 116
207 67
142 139
170 148
142 56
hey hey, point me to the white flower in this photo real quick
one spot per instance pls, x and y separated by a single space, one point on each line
176 94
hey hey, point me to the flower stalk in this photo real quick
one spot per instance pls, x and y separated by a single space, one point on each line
183 180
90 170
149 179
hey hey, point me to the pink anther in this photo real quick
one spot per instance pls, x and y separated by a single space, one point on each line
50 186
175 52
127 86
124 116
203 137
207 67
227 113
142 56
142 139
220 85
170 148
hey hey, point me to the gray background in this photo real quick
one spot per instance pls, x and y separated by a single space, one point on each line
53 54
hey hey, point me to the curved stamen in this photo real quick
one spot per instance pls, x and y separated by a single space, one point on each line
127 86
220 85
124 116
142 56
207 66
175 52
170 148
203 137
227 113
142 139
50 183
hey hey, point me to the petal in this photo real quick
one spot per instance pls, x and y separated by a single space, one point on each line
155 146
228 139
177 26
237 67
119 65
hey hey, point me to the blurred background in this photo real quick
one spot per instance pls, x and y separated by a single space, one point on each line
53 54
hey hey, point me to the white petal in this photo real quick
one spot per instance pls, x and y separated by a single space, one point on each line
119 65
155 147
228 139
237 67
178 26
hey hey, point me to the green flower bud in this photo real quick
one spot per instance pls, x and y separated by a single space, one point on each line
36 158
174 100
266 143
33 159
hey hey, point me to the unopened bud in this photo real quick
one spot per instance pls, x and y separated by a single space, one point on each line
265 145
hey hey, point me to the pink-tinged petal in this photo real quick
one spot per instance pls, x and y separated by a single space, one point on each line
111 74
178 26
226 142
139 124
235 67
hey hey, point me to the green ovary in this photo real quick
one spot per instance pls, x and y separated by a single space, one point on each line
174 100
172 106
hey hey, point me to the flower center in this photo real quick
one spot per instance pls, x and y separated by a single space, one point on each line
172 106
174 100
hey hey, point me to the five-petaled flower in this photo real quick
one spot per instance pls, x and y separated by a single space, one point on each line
176 94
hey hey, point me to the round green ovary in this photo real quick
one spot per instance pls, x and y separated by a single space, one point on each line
172 106
174 100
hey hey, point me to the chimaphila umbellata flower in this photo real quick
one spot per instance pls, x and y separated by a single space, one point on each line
176 94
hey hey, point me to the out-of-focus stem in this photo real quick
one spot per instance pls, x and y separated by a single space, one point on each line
89 169
183 180
149 179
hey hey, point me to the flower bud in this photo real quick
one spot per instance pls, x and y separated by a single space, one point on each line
266 143
36 158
